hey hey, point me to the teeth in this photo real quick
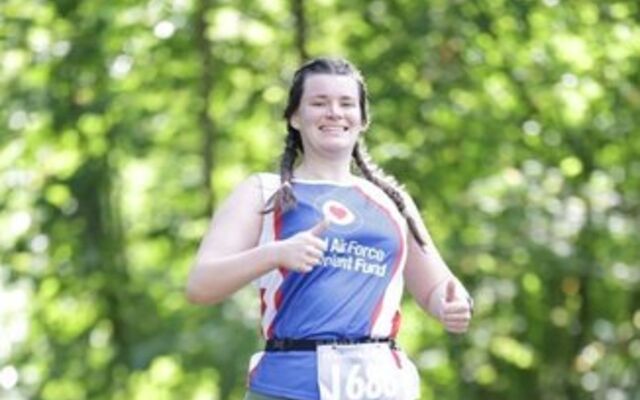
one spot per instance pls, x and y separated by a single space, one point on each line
334 128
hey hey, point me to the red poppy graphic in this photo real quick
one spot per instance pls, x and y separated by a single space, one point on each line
337 213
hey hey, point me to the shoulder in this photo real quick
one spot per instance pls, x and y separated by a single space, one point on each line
382 199
378 193
268 183
253 191
368 187
266 179
246 193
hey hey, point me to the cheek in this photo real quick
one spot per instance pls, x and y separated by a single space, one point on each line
307 116
356 118
303 117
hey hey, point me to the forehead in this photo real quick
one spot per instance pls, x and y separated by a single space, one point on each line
330 86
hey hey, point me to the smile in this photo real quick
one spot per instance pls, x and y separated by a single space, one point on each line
333 129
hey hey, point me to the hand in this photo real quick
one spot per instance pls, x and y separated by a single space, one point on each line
455 311
303 250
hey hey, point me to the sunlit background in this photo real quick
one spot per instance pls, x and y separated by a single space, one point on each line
514 124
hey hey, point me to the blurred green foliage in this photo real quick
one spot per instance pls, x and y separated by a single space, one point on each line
514 124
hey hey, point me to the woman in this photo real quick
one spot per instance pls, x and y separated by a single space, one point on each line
330 253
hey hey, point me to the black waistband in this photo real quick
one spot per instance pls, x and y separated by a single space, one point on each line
311 344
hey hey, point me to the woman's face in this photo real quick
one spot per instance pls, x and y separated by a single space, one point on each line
329 116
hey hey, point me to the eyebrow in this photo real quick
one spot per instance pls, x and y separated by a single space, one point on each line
324 96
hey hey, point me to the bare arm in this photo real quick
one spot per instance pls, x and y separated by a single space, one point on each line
430 281
229 256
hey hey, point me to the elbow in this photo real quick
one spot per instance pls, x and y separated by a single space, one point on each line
194 297
198 295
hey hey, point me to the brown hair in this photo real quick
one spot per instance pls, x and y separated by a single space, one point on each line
284 198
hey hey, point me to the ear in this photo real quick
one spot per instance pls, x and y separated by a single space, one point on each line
294 121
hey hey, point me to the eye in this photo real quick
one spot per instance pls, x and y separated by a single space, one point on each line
348 104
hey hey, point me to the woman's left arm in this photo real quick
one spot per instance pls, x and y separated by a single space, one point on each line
432 284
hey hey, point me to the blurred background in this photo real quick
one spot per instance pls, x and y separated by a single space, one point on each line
514 124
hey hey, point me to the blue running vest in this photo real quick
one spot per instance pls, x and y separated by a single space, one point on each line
354 291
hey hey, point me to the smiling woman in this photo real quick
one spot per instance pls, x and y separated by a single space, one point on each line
328 117
330 252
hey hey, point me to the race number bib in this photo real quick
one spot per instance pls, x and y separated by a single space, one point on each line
369 371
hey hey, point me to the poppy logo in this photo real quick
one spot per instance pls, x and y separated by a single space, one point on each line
337 213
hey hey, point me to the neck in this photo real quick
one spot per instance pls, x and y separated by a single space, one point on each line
323 169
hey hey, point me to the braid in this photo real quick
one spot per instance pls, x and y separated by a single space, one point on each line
388 184
284 198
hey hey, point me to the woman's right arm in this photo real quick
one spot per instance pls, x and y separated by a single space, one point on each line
229 256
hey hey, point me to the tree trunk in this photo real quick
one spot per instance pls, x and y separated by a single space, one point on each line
205 86
297 7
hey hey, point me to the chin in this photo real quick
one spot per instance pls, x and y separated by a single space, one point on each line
338 148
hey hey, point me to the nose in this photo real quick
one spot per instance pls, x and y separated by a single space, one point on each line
334 110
